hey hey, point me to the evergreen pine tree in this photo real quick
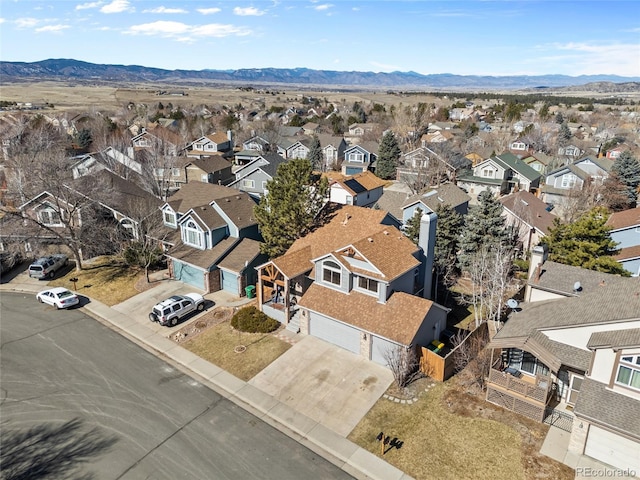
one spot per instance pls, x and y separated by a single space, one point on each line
388 154
627 169
412 229
584 243
484 225
448 233
289 209
315 155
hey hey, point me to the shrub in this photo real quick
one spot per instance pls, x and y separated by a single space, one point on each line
252 320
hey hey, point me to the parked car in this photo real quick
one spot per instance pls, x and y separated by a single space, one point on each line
175 308
59 297
46 267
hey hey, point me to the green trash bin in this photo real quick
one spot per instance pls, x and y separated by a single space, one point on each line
250 290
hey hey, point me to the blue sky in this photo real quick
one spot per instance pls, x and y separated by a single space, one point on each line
467 38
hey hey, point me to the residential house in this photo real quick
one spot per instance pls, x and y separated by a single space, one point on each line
311 128
460 114
615 152
570 152
109 158
209 169
352 281
520 148
363 190
359 158
439 136
429 201
215 242
297 147
256 143
570 358
359 129
423 165
212 144
625 231
252 178
121 205
529 217
500 174
159 139
559 183
439 126
333 148
538 161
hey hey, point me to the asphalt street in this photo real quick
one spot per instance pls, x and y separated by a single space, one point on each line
80 401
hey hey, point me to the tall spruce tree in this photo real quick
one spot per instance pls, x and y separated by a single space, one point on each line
412 230
584 243
388 154
290 208
448 233
627 169
484 225
315 154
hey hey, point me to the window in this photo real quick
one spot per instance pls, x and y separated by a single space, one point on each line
574 389
48 216
368 284
331 273
169 218
204 178
629 372
526 362
192 235
488 173
248 183
356 157
264 185
568 181
175 172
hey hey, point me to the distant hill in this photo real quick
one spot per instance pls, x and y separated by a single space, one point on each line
66 69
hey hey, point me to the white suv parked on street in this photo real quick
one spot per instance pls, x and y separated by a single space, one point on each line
176 307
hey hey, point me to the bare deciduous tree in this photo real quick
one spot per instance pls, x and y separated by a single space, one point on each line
469 352
403 363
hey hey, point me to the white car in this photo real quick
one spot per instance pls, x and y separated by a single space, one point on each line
59 297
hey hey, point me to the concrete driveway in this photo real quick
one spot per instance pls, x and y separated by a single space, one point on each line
325 383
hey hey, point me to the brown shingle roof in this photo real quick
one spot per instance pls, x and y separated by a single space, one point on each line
389 251
211 163
624 219
245 251
398 320
194 194
615 339
218 137
204 259
628 253
529 209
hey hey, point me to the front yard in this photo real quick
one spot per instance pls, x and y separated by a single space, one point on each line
452 434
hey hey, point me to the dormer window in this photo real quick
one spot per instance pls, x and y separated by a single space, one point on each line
192 235
169 217
331 273
629 371
369 285
49 216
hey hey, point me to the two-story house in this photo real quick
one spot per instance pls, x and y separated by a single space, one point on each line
559 183
500 174
215 243
352 282
528 216
208 169
575 357
625 231
254 176
213 144
359 158
363 190
333 148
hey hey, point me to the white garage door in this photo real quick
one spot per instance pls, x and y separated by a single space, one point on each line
379 347
229 282
334 332
613 449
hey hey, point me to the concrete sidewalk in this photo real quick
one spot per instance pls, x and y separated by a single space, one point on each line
336 448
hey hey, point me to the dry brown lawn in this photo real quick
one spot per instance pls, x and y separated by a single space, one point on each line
448 434
105 279
217 344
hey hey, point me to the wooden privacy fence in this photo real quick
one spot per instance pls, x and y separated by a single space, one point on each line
442 367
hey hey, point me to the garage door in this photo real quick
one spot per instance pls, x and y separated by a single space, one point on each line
613 449
353 170
188 274
334 332
230 282
379 346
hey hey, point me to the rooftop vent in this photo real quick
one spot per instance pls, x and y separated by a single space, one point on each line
370 239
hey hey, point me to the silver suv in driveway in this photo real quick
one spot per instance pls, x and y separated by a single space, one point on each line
175 308
46 267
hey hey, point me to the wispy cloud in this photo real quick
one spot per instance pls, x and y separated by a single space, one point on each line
187 33
117 6
86 6
2 20
248 12
323 7
26 22
384 66
590 59
52 28
165 10
208 11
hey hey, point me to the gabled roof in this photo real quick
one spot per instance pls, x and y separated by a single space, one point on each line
559 278
530 209
509 160
447 194
205 216
194 194
210 163
361 182
204 259
624 219
245 251
238 208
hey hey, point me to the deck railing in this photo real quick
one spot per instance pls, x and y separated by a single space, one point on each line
521 387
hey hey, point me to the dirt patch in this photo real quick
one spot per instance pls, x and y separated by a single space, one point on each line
214 317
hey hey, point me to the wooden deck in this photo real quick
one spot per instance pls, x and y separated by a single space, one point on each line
525 395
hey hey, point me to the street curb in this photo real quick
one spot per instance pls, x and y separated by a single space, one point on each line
334 448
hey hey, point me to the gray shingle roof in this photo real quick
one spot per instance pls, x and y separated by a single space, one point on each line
622 413
559 278
615 339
